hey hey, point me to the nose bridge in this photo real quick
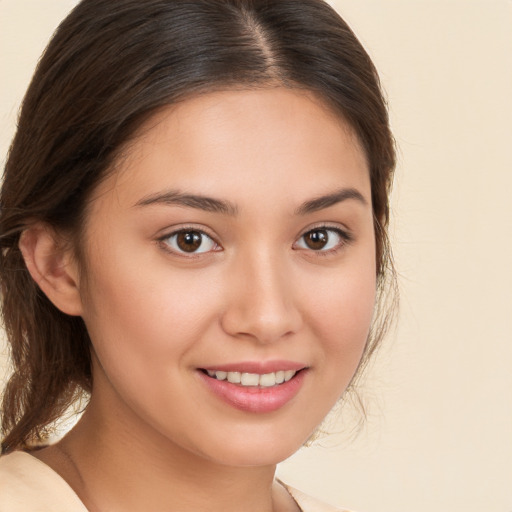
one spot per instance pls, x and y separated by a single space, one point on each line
262 302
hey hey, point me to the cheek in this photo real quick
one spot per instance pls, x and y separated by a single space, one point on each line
339 316
147 306
341 311
143 323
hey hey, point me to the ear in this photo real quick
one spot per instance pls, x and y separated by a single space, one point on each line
52 266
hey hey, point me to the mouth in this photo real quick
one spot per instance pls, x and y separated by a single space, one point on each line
245 379
258 389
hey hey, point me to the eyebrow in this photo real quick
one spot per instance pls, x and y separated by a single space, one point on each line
174 197
322 202
210 204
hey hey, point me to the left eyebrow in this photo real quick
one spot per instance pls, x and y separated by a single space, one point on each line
322 202
200 202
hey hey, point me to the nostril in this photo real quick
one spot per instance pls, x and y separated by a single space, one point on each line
260 326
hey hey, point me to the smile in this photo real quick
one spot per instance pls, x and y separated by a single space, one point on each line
265 380
255 387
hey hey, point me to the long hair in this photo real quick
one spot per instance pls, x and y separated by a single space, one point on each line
110 66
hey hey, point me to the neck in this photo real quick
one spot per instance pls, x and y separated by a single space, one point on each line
112 467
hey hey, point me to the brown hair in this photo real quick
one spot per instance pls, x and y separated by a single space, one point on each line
109 66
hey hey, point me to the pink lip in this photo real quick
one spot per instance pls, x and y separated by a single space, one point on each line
254 399
260 367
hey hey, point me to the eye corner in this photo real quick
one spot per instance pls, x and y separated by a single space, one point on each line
323 240
188 242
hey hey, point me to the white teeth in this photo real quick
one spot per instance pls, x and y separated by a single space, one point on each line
234 377
250 379
266 380
288 374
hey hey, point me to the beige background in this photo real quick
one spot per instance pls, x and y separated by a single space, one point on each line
439 431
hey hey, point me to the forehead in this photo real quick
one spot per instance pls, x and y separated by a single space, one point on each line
272 142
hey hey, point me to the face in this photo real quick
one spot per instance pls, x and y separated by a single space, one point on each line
231 275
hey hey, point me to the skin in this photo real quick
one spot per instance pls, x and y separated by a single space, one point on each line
154 436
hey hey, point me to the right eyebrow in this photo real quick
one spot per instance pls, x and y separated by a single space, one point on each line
200 202
328 200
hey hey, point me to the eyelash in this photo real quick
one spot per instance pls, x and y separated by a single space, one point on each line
164 242
345 238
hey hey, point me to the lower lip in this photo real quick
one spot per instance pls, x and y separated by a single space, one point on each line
255 399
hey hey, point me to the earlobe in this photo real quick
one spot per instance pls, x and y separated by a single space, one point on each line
52 267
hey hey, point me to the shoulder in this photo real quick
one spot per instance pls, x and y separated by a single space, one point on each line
308 503
26 483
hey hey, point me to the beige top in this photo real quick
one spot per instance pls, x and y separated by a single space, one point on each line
29 485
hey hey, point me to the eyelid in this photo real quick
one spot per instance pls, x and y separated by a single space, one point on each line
344 233
175 230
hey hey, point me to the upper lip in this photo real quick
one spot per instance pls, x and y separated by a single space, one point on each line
260 367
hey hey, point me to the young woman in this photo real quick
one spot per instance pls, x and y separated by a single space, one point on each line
193 232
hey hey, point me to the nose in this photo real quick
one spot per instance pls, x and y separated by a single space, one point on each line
262 304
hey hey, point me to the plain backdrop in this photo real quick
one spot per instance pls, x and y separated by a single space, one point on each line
438 436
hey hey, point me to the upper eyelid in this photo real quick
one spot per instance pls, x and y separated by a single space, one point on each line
173 230
345 240
326 225
163 242
345 234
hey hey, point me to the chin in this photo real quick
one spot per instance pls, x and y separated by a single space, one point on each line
257 450
255 457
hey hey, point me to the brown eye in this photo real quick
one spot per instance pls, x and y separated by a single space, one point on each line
322 239
317 239
190 241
